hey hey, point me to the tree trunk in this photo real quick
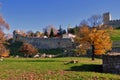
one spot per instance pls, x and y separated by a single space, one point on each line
93 55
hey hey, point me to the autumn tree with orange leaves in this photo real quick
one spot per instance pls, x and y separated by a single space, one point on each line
94 38
28 50
3 24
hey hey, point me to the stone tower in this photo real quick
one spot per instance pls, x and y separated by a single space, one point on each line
106 17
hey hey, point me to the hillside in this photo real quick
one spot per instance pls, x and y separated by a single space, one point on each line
115 35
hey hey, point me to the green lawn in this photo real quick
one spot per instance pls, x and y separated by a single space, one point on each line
115 35
53 69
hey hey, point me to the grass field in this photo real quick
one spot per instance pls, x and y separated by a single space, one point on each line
53 69
115 36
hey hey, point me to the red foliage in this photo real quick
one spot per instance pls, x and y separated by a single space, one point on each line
28 49
3 24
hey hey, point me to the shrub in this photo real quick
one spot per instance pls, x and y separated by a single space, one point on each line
5 53
28 50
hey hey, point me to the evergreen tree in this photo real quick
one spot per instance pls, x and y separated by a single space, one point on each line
45 32
51 33
60 31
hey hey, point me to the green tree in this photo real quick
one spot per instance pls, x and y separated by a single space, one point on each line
51 33
45 32
60 31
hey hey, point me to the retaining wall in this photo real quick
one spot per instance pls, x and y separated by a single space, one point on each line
111 63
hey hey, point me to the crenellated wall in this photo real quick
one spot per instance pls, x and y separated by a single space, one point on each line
45 43
107 20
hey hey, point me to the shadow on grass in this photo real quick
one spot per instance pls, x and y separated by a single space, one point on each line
32 61
87 67
40 60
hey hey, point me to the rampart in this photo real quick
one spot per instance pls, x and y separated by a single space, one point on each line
114 23
111 63
45 43
107 20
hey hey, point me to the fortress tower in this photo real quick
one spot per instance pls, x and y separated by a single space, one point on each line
107 20
106 17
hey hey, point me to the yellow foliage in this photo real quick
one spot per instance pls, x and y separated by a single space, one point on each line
5 54
99 52
97 37
98 46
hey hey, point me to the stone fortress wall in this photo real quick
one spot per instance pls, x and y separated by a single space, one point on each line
108 21
49 43
45 43
114 23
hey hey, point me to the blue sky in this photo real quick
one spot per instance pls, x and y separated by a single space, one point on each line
36 14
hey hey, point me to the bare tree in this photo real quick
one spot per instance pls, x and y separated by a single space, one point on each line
83 23
95 20
48 29
30 33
